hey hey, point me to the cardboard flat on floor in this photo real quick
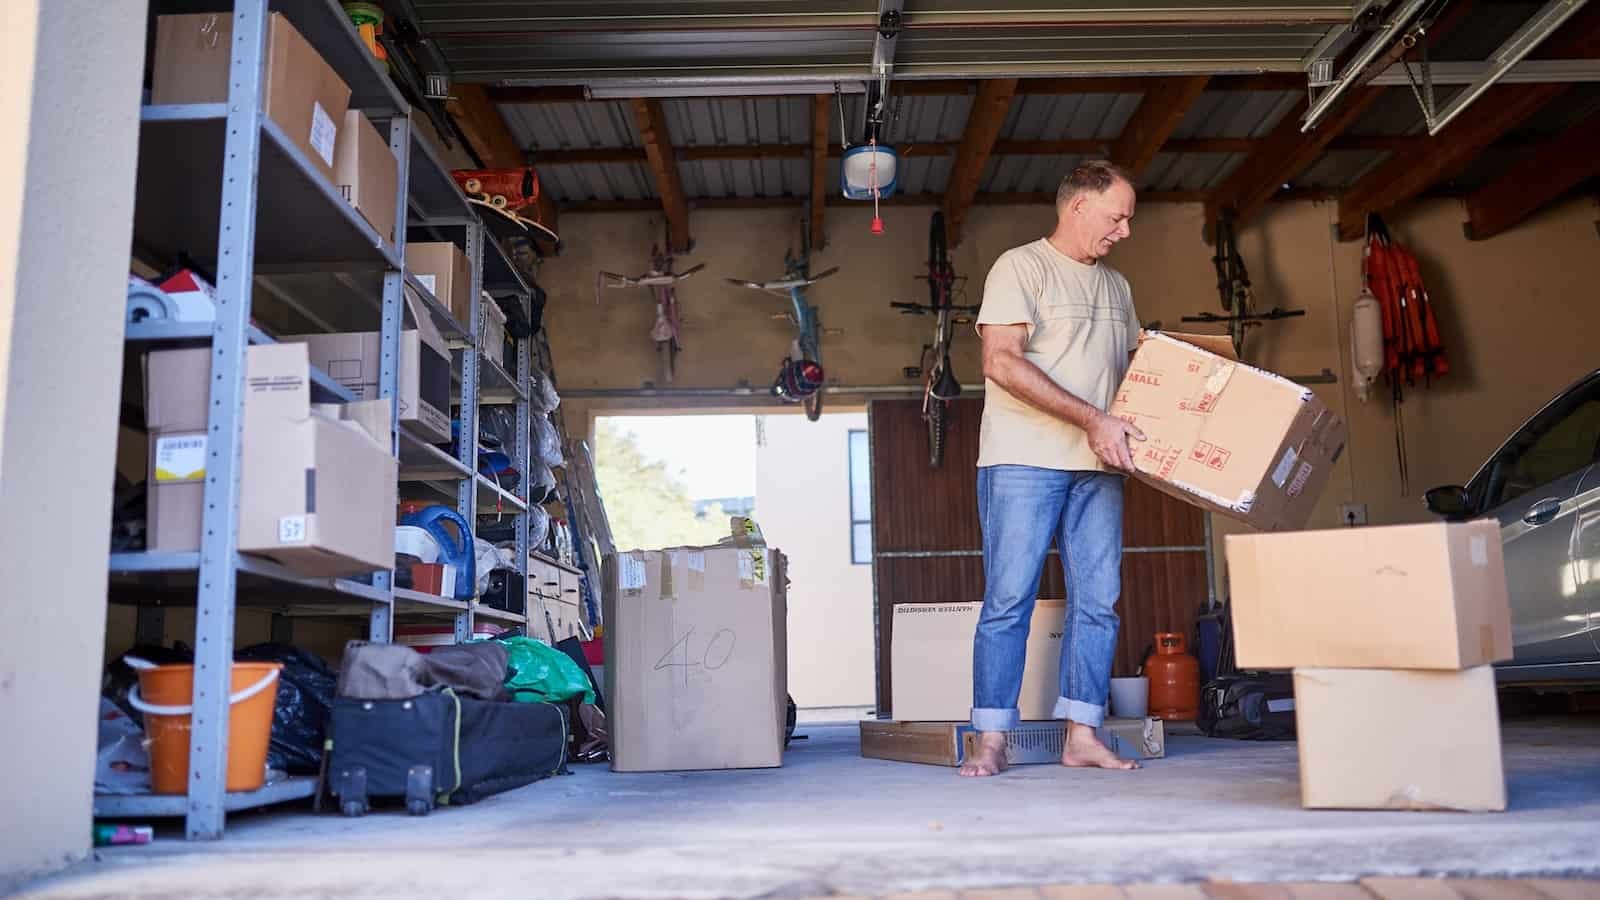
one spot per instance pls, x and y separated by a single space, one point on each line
366 172
303 94
354 358
1427 596
1225 436
696 658
318 484
950 743
930 660
442 269
1392 739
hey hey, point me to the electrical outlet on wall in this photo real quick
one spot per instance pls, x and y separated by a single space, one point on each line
1353 514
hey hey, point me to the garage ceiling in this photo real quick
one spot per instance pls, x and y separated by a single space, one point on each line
646 41
648 104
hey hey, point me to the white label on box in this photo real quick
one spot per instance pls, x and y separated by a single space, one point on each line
292 530
323 133
697 562
1285 704
1280 475
630 573
447 582
431 282
181 458
1480 550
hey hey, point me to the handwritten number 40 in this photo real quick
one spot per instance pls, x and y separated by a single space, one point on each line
716 654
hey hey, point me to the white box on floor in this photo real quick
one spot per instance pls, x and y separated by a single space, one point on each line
1399 739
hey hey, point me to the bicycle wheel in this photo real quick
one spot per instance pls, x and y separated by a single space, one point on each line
938 424
938 262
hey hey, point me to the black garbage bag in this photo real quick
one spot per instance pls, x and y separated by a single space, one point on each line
306 688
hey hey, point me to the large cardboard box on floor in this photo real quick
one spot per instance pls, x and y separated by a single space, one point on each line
696 658
442 268
302 94
930 661
318 483
950 743
353 359
1225 436
366 172
1399 597
1391 739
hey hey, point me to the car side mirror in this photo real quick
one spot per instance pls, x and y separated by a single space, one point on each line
1450 501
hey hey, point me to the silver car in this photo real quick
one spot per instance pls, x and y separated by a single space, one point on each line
1543 485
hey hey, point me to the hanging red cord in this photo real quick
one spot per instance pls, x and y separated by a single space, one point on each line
877 221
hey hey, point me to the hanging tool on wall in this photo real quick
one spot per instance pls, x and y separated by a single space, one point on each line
1412 347
1233 289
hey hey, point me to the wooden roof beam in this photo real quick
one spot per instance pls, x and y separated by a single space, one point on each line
652 122
1165 103
984 122
1551 171
1406 175
491 139
821 105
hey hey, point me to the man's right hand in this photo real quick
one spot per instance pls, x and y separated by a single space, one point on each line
1108 438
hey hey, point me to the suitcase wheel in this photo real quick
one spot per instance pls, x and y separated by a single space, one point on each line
419 790
352 791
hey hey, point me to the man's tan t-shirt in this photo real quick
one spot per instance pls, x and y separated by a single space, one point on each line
1081 328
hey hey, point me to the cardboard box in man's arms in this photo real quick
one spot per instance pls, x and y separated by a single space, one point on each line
1225 436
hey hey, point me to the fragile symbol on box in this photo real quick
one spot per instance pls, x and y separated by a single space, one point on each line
1202 451
1218 459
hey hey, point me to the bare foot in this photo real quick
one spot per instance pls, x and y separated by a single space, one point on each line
1085 751
990 758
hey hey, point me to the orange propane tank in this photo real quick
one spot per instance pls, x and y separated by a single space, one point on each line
1174 679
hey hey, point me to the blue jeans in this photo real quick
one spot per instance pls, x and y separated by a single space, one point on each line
1022 508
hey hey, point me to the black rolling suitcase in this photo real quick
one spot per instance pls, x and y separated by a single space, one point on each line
441 748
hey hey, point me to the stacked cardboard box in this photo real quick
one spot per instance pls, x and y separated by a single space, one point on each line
1392 633
696 653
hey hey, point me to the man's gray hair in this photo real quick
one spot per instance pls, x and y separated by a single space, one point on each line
1092 176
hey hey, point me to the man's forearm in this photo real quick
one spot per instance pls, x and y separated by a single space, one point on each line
1028 383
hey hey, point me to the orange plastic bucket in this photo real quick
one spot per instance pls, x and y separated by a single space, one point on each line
165 696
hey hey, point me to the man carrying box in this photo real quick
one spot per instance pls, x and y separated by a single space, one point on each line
1059 330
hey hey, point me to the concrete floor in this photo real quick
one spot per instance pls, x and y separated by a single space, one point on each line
830 822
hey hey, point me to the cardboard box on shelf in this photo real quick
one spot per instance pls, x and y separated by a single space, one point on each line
1399 597
950 743
1392 739
318 484
303 94
930 661
1225 436
442 268
494 334
366 172
696 658
424 388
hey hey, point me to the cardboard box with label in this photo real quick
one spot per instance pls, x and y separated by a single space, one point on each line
302 93
1427 596
950 743
696 658
1225 436
424 387
1390 739
318 484
366 172
442 269
930 661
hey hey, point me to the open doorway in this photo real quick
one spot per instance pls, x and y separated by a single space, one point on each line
674 479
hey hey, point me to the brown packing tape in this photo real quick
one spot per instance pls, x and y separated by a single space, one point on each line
1486 642
666 574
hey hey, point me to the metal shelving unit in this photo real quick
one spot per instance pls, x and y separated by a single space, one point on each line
224 184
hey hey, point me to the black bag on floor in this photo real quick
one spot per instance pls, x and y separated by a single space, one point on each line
1249 706
441 748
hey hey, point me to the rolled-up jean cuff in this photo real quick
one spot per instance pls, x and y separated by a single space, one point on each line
995 719
1089 714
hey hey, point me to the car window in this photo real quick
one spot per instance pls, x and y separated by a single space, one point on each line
1561 441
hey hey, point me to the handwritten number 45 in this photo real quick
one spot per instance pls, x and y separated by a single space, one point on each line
716 654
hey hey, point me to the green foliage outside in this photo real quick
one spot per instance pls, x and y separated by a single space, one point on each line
647 504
